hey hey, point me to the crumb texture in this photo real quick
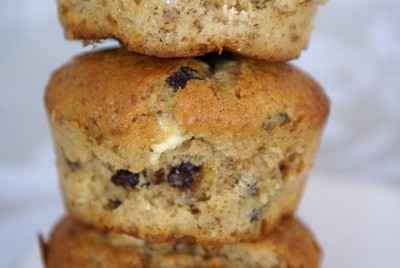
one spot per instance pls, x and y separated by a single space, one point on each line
72 245
213 149
274 30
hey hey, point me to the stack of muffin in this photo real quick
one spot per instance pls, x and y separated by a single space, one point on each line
198 160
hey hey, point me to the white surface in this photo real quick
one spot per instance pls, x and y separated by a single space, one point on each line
354 53
357 224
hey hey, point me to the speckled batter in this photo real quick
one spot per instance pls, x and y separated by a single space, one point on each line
214 149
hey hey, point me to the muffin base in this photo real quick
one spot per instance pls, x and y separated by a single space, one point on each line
73 245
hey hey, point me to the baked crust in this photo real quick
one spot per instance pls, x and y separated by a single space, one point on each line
112 88
249 131
276 30
73 245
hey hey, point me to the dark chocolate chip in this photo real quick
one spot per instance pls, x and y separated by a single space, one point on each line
212 59
183 176
114 204
278 120
146 184
253 189
284 168
125 178
194 210
260 4
74 166
255 214
190 167
179 79
159 176
180 179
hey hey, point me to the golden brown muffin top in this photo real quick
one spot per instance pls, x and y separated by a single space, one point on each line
118 95
273 30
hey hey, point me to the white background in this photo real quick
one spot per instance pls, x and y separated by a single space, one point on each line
353 200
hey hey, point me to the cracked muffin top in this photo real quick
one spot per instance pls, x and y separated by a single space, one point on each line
272 30
121 96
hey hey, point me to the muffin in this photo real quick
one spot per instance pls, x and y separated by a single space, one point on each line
214 149
276 30
73 245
